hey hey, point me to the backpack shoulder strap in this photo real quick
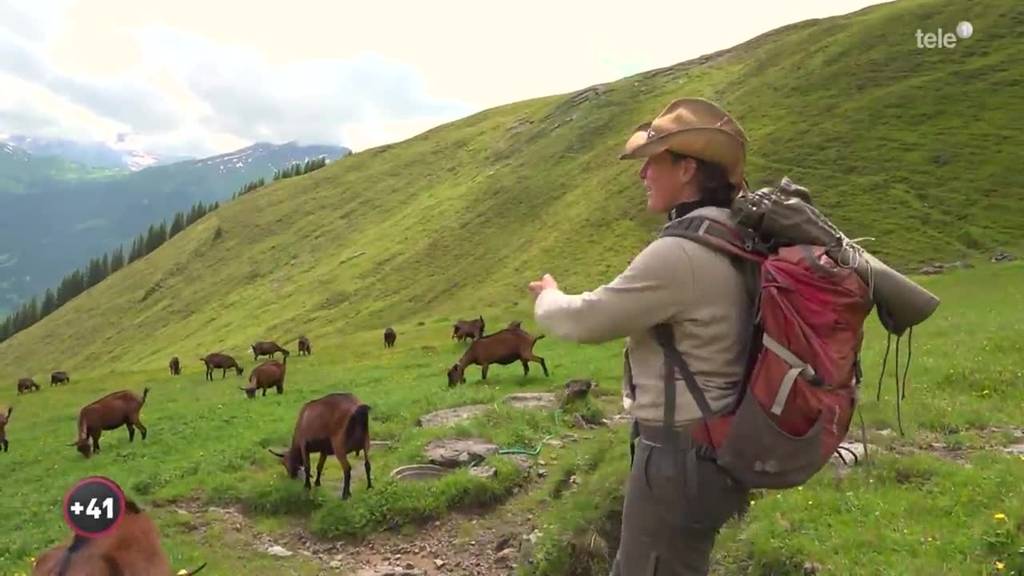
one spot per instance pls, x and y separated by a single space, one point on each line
717 234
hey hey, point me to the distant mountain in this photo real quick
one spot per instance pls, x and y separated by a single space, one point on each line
92 154
56 214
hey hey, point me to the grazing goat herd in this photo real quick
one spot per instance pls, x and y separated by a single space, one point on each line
336 424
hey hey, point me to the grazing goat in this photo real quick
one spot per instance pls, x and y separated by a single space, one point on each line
109 413
220 361
472 329
175 366
334 424
27 385
267 375
4 419
504 347
389 337
131 549
305 348
267 349
59 377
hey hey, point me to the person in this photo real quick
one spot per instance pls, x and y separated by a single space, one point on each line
677 498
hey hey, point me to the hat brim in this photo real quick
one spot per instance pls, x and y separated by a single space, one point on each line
710 144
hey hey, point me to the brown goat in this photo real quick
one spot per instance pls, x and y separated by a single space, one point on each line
389 337
267 349
27 385
59 377
109 413
175 366
133 548
305 348
504 347
267 375
334 424
472 329
220 361
4 419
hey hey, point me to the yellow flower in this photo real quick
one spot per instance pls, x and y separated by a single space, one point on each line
1000 566
999 516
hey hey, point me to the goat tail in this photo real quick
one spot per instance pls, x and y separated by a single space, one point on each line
145 392
539 338
359 422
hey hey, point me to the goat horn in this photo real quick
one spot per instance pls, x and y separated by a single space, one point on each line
278 454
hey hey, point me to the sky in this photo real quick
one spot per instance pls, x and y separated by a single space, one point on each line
204 77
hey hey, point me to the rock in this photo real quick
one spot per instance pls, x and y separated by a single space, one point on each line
279 552
555 443
884 432
1003 257
455 452
335 564
541 400
932 270
439 563
849 454
483 471
1016 450
542 473
506 556
503 543
811 569
388 570
419 472
451 416
521 460
577 390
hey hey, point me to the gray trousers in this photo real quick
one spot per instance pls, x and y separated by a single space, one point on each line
675 505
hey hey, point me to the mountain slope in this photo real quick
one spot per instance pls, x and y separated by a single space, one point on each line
63 214
910 146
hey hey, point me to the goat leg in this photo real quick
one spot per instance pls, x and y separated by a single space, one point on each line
320 467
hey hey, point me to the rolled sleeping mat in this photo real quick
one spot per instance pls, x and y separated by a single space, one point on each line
901 302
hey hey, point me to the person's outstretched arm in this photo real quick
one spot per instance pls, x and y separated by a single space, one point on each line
651 290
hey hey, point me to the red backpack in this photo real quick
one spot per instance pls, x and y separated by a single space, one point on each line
799 391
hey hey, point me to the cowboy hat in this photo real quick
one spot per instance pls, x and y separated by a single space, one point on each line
692 127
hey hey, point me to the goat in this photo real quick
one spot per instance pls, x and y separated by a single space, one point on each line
4 419
221 361
334 424
109 413
175 366
389 337
305 348
472 329
131 548
266 349
267 375
27 385
59 377
504 347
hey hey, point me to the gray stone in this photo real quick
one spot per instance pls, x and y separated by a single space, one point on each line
484 471
279 552
419 472
533 400
450 416
456 452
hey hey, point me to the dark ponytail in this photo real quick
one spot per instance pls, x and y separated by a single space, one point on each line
712 182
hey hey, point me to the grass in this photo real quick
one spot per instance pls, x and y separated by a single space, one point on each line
455 222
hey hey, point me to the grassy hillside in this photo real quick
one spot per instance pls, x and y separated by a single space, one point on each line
909 146
912 147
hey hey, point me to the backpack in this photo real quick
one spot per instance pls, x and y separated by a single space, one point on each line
800 385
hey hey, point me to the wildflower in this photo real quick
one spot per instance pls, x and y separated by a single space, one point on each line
999 516
1000 566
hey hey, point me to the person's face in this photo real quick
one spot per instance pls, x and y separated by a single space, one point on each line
669 181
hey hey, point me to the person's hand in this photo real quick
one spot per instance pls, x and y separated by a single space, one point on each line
546 283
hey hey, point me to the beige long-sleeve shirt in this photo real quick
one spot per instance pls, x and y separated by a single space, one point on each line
697 290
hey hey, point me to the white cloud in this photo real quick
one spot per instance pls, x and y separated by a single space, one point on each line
203 77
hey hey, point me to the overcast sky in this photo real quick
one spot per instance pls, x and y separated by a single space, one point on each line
204 77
